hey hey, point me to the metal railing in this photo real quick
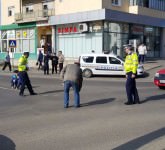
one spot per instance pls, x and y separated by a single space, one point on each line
34 15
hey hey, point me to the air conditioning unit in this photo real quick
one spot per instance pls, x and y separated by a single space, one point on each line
83 27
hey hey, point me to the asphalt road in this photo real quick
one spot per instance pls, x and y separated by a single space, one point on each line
102 122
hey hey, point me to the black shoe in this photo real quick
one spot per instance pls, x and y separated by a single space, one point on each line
33 93
127 103
21 94
138 102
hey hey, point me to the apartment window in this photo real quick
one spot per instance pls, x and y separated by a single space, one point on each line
11 11
29 9
45 7
116 2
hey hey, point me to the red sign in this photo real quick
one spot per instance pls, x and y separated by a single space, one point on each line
137 29
67 29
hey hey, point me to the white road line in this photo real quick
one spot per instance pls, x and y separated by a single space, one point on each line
4 88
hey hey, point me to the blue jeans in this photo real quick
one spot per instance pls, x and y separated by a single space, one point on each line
67 85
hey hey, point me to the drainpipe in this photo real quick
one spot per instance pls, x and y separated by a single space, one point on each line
20 7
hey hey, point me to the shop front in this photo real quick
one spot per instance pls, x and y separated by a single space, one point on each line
25 37
75 39
106 30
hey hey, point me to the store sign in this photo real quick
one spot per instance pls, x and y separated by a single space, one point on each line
148 29
11 34
18 34
24 34
67 30
137 29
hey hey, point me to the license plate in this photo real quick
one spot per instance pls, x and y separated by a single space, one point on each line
162 81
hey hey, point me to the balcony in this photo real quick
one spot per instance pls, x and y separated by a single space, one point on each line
139 10
38 15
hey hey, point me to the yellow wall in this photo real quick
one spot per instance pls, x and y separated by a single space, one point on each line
146 11
124 5
73 6
5 4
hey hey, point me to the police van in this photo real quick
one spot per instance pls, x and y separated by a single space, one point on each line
104 64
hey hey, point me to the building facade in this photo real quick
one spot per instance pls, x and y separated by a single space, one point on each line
75 29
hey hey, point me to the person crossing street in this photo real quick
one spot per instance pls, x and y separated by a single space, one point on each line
22 68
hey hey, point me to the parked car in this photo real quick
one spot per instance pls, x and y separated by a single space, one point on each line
159 79
104 64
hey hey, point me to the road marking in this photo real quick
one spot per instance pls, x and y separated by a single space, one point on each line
4 88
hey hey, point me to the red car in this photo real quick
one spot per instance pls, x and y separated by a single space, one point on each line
159 79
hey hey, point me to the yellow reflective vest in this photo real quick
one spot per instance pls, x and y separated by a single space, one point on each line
22 63
131 63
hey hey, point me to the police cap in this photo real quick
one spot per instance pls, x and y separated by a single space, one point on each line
26 53
128 47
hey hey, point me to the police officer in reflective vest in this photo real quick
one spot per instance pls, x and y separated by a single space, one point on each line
22 68
130 66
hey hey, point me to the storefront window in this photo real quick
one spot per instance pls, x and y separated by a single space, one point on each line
25 40
115 36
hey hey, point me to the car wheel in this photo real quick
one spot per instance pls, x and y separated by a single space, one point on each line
161 87
87 73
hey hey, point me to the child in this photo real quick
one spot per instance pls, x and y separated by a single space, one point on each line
14 80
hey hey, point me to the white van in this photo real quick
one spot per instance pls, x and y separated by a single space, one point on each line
104 64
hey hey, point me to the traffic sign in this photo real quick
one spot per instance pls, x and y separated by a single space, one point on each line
12 43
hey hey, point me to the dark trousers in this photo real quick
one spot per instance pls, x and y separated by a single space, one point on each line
46 68
60 67
141 59
25 82
7 64
131 90
40 65
54 66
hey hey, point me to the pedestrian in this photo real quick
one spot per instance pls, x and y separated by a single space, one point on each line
7 62
49 48
130 66
40 59
46 63
72 77
60 60
23 68
142 50
54 59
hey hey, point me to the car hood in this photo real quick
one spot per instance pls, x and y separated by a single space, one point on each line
162 71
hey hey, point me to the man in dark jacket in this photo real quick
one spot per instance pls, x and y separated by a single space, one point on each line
7 62
40 60
72 76
46 63
54 59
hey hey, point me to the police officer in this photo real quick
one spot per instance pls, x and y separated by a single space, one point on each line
130 66
22 68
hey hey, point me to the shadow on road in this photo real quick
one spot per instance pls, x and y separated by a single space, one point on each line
155 97
47 92
6 143
141 141
98 102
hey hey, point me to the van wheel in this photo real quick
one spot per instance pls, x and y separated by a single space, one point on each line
87 73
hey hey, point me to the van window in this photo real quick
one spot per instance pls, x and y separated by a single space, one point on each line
113 60
101 60
88 59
